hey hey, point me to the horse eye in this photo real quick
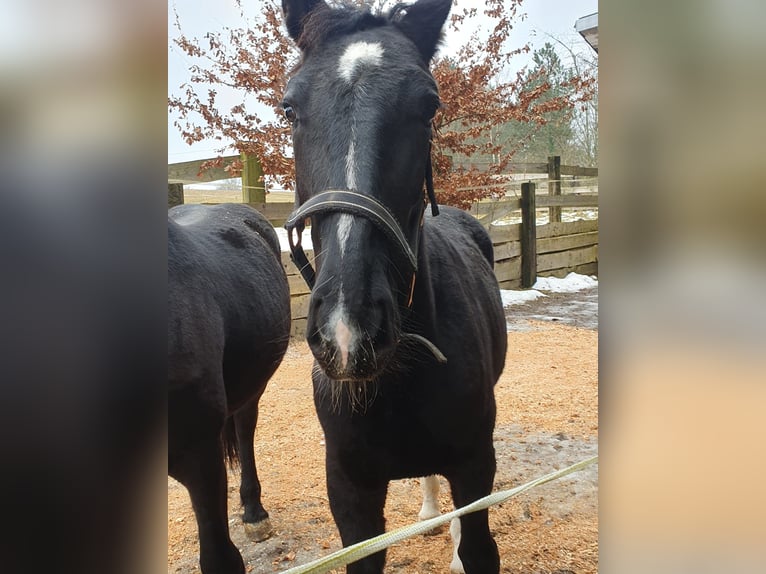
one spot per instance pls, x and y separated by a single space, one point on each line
289 112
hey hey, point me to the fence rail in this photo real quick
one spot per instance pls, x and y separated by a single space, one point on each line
522 250
190 171
537 167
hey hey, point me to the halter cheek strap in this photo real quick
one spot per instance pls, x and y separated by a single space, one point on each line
430 184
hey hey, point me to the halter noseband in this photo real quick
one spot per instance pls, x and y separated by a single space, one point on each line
357 204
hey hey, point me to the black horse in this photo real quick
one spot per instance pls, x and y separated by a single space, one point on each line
405 320
228 329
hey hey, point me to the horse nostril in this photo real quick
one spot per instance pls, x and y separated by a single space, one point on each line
314 335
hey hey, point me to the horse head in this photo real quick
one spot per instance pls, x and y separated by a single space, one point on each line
361 104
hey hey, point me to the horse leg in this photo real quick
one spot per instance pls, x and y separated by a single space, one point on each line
202 471
255 518
358 513
430 488
476 549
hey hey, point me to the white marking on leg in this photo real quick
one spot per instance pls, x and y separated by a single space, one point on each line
456 566
357 56
430 487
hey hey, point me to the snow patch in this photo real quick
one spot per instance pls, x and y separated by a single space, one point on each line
569 284
510 297
285 244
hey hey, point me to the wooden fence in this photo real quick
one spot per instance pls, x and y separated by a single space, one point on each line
299 295
522 250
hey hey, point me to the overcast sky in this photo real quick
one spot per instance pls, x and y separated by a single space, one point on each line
554 17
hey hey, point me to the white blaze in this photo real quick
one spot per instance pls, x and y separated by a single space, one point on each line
351 161
344 230
356 56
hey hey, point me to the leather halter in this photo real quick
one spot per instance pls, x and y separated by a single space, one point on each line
356 204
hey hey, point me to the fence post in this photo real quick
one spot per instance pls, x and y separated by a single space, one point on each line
528 235
253 186
175 194
554 186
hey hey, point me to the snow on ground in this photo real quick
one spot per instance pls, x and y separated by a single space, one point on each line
567 216
512 297
285 245
569 284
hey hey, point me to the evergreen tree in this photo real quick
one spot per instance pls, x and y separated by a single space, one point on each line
550 133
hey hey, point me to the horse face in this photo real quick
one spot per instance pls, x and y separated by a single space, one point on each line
360 105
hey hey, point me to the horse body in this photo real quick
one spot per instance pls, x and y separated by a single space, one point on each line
425 417
228 329
405 319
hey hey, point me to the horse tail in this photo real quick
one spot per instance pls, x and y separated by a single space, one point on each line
230 444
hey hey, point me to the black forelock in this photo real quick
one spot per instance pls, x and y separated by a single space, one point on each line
326 23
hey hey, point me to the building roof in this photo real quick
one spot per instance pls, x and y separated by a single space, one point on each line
587 26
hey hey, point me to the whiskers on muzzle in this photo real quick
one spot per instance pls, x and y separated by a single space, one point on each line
357 395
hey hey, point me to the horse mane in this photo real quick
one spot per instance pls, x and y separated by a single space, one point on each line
325 23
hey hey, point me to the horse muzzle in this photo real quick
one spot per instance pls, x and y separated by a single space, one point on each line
350 341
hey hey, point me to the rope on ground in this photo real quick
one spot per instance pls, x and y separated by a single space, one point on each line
367 547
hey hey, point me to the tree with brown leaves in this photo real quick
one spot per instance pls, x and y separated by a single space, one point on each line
256 62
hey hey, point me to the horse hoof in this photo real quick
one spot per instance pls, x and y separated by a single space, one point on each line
258 531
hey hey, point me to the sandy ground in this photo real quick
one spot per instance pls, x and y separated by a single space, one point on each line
547 419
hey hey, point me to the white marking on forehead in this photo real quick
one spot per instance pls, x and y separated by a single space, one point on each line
357 55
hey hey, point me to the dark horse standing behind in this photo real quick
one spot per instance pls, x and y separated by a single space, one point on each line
405 319
228 329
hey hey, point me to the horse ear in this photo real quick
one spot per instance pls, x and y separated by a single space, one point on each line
295 11
423 23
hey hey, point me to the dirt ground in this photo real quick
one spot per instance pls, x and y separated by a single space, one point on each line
547 419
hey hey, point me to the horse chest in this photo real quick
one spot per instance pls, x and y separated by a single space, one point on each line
404 431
